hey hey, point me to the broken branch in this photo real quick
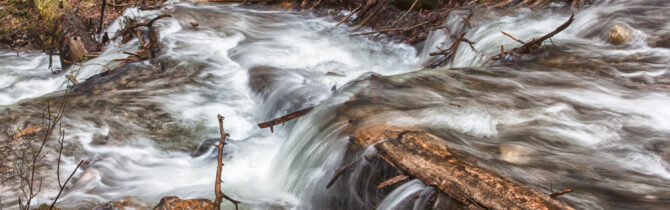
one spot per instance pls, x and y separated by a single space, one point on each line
219 194
392 181
349 15
513 37
392 29
555 194
284 118
340 171
560 28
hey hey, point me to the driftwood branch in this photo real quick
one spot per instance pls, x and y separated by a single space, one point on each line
219 194
349 15
392 181
403 15
555 194
560 28
392 29
284 118
372 14
340 171
513 37
535 43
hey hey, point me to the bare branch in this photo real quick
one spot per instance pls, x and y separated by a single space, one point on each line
217 191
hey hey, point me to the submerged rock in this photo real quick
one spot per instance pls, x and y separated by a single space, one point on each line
121 205
619 35
173 202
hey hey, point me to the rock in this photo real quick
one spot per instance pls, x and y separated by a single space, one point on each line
28 131
76 49
173 202
515 154
125 204
45 206
662 40
620 35
194 24
205 146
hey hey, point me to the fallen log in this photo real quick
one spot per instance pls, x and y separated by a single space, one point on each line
284 118
426 157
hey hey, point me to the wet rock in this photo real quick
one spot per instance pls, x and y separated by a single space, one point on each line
662 40
173 202
76 48
620 35
194 24
125 204
28 131
205 146
515 154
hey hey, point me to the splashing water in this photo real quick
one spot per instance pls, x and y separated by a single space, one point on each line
590 116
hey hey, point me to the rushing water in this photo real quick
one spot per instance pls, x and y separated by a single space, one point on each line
588 115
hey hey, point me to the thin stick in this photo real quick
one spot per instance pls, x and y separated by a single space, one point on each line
394 180
340 171
555 194
62 188
369 17
349 15
403 15
315 4
391 29
513 37
219 194
284 118
550 34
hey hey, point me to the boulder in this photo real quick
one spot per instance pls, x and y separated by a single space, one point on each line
619 35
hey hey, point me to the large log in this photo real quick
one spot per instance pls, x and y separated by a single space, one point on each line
426 157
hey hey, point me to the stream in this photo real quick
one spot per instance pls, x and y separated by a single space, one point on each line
586 115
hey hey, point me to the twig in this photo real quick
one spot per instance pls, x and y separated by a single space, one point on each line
349 15
403 15
391 29
369 17
340 171
129 53
555 194
62 188
284 118
315 4
391 181
550 34
217 191
513 37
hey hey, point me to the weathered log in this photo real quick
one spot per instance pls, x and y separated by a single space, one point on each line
284 118
427 158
